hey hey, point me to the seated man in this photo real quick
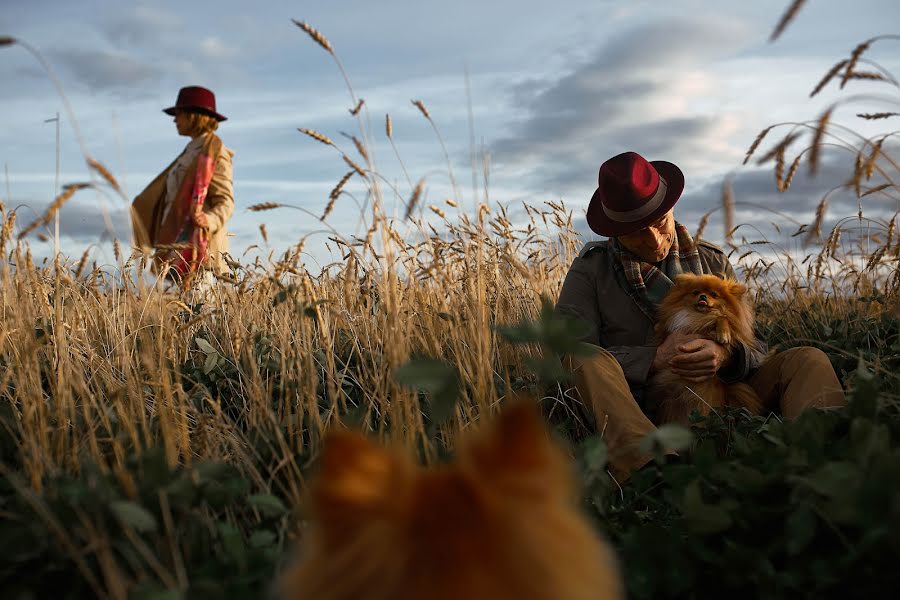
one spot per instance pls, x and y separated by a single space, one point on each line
616 284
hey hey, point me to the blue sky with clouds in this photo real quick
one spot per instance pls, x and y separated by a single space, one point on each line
555 88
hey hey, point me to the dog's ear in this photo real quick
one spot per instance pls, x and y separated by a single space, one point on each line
356 477
516 450
737 289
683 278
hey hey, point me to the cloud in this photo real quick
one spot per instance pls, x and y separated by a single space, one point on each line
102 70
142 26
637 92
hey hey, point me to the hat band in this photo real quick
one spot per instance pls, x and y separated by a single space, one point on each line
636 214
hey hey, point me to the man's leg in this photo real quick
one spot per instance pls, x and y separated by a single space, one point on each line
796 379
602 387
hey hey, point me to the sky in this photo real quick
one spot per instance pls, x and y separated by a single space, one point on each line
541 92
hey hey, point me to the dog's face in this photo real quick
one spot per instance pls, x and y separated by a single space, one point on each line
706 294
497 523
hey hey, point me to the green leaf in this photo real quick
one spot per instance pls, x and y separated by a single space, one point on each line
133 515
437 378
701 517
262 538
594 454
800 528
667 437
211 361
232 543
837 479
864 400
205 346
268 505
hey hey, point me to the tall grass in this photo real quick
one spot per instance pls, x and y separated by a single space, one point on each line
98 366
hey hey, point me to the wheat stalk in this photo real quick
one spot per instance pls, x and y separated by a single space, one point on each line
315 35
876 189
414 198
786 18
355 110
68 192
388 126
756 142
333 196
728 210
316 136
704 220
876 116
421 106
360 148
854 58
828 77
790 174
264 206
354 166
815 147
105 173
82 263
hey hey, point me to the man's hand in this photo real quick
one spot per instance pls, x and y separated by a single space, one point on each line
666 351
698 360
200 219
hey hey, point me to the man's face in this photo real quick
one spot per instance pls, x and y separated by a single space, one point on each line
652 243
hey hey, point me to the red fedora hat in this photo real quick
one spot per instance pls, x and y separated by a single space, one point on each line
197 99
632 193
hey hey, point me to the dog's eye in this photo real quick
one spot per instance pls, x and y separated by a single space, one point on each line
696 292
714 294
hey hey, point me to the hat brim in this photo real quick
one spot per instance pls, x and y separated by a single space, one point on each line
601 224
172 110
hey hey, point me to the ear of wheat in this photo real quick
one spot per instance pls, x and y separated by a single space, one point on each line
316 136
315 35
264 206
414 198
786 18
68 192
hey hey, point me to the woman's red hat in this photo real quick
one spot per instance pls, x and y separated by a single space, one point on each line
197 99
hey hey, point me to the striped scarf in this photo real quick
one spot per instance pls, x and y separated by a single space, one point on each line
647 284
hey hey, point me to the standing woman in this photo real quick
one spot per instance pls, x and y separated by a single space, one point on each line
181 215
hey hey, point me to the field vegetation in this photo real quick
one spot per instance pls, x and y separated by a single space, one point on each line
157 444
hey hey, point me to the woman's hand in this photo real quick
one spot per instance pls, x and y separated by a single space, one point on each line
200 219
698 360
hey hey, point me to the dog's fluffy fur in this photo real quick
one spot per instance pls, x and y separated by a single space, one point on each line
499 523
714 308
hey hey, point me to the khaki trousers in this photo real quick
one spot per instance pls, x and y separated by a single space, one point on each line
790 381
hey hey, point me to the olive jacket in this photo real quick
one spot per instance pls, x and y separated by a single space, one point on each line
595 291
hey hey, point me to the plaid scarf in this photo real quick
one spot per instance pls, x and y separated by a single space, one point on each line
647 284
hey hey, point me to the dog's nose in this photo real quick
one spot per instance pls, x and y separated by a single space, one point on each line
703 297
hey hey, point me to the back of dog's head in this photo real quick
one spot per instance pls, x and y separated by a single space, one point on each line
500 522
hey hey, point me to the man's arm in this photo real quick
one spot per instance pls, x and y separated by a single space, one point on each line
578 298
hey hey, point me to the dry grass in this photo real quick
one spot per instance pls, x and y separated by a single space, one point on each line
95 365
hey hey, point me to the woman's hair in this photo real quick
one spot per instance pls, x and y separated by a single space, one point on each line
200 123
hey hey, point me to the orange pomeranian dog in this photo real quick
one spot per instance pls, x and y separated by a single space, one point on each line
500 523
716 309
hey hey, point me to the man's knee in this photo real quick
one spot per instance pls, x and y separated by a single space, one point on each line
805 357
600 361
